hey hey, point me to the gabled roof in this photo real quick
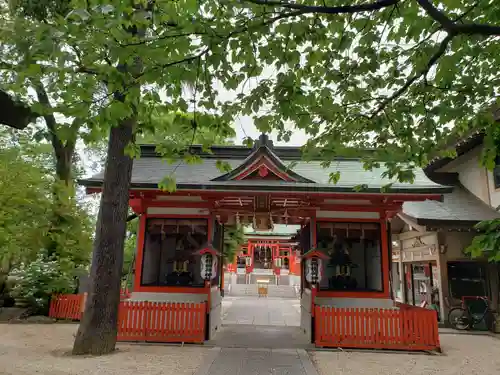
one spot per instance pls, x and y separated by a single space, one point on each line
264 164
304 176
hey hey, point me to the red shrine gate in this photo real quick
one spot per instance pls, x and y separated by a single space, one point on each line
344 245
279 256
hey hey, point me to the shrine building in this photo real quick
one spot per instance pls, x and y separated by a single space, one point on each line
271 252
340 252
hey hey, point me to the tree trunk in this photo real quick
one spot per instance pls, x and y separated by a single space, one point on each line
98 328
64 164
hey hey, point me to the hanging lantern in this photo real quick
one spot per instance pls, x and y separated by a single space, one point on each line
314 270
314 265
208 262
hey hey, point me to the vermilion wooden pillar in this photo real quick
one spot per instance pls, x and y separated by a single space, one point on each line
140 251
385 257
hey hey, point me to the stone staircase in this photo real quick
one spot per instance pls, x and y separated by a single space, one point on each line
278 291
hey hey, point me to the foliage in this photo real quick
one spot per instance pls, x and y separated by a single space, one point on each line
487 243
174 129
38 280
398 76
27 186
401 77
24 207
69 234
233 238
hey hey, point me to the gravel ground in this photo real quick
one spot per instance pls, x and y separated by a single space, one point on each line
463 355
28 349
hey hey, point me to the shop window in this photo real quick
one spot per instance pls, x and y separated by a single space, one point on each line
169 245
355 256
466 279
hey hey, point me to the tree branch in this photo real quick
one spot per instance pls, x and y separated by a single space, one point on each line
342 9
15 114
50 120
432 61
453 27
450 25
177 62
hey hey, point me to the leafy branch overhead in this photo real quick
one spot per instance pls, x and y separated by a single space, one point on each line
401 77
487 243
398 76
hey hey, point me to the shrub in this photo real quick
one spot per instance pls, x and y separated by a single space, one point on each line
37 281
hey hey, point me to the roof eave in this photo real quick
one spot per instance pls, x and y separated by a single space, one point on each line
461 147
447 223
295 188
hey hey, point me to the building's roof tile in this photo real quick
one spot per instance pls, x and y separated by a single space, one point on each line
460 205
150 171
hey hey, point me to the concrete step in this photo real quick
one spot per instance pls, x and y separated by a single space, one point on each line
284 291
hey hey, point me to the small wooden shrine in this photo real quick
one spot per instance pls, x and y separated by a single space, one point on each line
180 235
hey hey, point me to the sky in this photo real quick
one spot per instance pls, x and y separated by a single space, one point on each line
244 127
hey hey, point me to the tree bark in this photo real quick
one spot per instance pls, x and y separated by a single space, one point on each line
15 114
98 328
63 150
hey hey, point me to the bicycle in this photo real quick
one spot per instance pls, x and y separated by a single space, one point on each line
461 318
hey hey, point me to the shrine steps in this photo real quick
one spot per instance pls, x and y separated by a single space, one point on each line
276 291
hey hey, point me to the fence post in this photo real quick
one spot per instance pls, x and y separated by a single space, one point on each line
313 315
207 311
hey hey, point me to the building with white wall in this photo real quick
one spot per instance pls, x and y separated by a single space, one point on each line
429 238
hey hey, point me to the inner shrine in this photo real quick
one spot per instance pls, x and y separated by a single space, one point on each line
337 247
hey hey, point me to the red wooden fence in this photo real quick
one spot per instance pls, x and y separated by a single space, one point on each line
69 306
406 329
144 321
66 306
161 322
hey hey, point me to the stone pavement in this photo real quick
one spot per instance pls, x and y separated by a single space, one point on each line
261 311
237 361
259 336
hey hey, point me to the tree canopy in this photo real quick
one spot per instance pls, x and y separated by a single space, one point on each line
399 76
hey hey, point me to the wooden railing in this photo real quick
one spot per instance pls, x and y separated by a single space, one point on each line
70 306
66 306
144 321
405 329
161 322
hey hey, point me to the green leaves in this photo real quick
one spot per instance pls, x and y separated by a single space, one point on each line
223 166
36 210
334 177
168 184
379 79
487 243
234 237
